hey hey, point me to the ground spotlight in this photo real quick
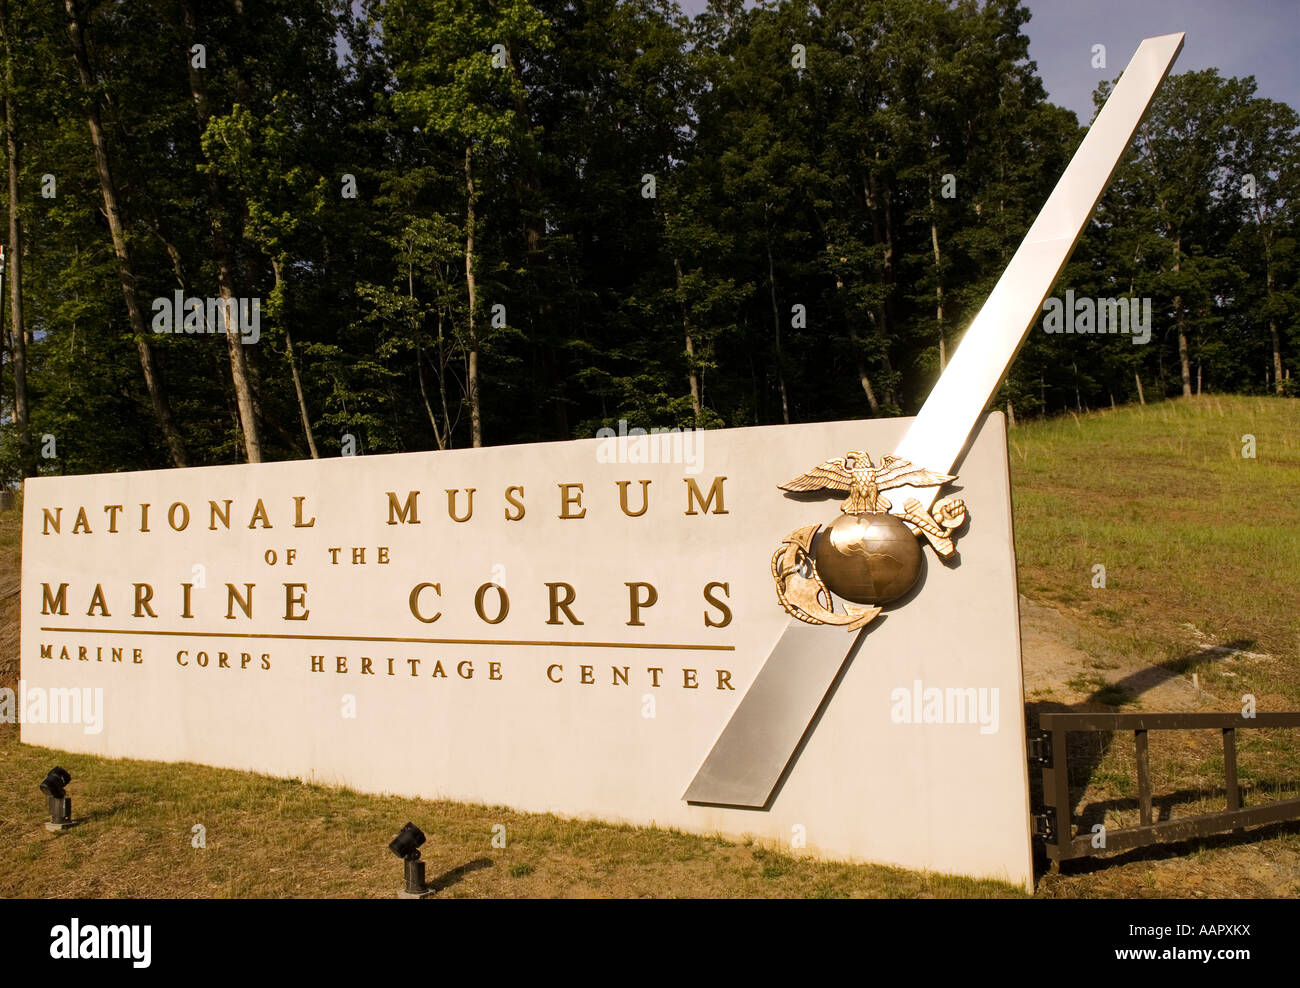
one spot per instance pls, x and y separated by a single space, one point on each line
54 785
406 845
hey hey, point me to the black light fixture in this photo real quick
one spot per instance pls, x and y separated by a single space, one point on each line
54 786
406 845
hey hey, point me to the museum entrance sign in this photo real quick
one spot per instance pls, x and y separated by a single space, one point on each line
563 627
636 627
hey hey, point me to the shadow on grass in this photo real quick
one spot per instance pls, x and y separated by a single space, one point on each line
449 878
1162 806
1088 749
1178 849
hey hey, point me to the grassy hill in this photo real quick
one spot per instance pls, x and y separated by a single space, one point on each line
1199 606
1199 543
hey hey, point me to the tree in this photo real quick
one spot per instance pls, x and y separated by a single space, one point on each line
13 256
117 229
1264 138
453 65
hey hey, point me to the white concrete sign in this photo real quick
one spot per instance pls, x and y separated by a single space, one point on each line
563 627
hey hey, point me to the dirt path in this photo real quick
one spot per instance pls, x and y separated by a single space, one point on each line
1060 672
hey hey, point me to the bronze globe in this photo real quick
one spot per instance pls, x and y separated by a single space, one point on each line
869 558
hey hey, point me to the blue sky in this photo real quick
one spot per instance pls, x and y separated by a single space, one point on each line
1239 37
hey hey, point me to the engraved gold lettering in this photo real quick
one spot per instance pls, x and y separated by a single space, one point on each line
97 600
415 601
515 502
571 497
558 605
622 497
640 595
215 512
694 497
295 596
297 514
406 513
143 594
56 602
259 515
503 603
469 507
710 594
244 600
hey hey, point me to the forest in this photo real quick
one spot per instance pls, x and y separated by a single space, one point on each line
241 231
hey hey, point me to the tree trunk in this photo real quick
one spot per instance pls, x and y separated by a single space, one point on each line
443 360
938 284
293 369
14 257
776 325
1277 355
691 372
6 348
1180 321
1138 378
1011 415
857 358
225 272
1275 336
475 410
863 379
424 396
1266 238
882 226
125 271
419 357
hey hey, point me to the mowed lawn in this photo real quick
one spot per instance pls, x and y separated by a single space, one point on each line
274 838
1199 547
1199 542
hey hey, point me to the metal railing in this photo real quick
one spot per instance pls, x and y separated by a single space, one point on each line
1056 828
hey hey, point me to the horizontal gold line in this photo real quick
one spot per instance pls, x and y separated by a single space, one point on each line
379 638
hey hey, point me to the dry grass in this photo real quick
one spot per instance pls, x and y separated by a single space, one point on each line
275 838
10 544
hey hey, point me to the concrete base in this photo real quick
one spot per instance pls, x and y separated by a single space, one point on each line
55 828
426 894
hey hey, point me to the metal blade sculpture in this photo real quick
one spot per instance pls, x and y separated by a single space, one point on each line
757 744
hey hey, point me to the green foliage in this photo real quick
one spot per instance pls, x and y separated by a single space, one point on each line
837 187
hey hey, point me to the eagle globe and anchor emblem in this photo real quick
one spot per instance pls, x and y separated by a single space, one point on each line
868 556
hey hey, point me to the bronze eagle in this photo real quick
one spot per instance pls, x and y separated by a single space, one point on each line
855 474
